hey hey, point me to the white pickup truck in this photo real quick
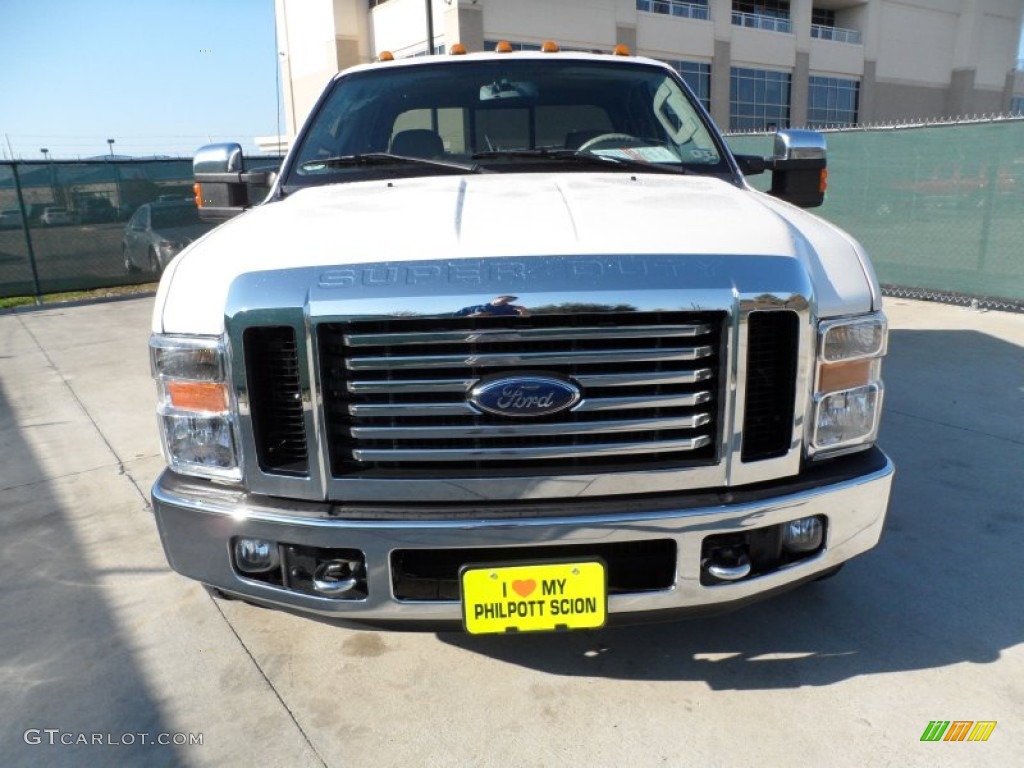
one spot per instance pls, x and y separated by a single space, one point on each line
511 343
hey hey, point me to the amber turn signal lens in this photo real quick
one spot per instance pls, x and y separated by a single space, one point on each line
198 192
835 377
823 181
198 396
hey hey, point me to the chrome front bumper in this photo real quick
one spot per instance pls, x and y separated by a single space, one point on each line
197 521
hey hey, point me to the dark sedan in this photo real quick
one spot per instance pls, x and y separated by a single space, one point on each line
157 232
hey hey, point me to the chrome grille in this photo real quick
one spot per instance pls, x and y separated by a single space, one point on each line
395 393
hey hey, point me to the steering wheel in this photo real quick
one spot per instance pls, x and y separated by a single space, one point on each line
607 137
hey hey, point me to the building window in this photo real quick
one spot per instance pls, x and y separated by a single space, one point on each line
490 45
831 101
758 99
772 15
693 9
696 75
1017 105
823 27
439 48
823 17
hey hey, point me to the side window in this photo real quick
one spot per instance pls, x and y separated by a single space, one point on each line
450 124
555 124
502 129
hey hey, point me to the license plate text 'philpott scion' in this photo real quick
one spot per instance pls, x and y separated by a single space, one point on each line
533 598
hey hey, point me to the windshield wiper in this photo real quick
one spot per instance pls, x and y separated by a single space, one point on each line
386 158
576 156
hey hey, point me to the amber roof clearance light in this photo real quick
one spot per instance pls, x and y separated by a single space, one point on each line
385 56
621 50
458 50
503 46
549 46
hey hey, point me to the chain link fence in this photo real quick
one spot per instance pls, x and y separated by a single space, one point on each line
939 207
80 225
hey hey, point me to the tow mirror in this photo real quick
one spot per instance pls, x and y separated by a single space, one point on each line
797 164
222 183
798 167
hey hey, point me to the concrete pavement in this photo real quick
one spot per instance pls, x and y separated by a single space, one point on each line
100 639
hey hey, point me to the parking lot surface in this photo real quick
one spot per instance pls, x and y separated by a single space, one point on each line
104 651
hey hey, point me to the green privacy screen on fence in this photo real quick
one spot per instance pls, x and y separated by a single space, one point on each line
68 225
940 209
63 224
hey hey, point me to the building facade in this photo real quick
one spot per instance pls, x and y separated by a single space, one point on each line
756 64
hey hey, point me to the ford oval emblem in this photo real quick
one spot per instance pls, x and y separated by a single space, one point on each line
524 395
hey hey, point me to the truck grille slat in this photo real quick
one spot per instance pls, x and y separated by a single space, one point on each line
651 386
549 452
531 335
653 401
526 358
587 380
457 409
521 429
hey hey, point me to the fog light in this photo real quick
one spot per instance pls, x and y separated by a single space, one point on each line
255 555
803 535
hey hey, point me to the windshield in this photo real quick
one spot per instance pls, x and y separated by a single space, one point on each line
514 114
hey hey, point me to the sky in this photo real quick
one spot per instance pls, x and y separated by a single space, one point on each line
158 76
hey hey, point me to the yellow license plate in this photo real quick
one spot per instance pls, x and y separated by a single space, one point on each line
533 598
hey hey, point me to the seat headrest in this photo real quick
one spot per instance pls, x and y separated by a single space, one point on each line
418 142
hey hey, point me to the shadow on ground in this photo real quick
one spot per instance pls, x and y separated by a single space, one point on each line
64 663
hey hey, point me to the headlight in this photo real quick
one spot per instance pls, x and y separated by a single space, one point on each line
197 423
848 384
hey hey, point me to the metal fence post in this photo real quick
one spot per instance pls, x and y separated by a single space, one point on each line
989 201
28 235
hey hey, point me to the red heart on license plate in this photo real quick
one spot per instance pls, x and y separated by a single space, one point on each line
524 588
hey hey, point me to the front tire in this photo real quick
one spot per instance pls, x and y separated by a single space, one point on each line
129 265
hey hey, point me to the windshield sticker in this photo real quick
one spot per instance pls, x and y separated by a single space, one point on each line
704 155
647 154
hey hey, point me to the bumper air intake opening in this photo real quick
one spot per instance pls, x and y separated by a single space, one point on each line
633 566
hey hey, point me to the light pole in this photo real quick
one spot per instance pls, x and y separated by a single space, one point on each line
110 142
430 27
53 180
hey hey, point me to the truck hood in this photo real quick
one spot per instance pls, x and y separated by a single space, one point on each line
508 215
